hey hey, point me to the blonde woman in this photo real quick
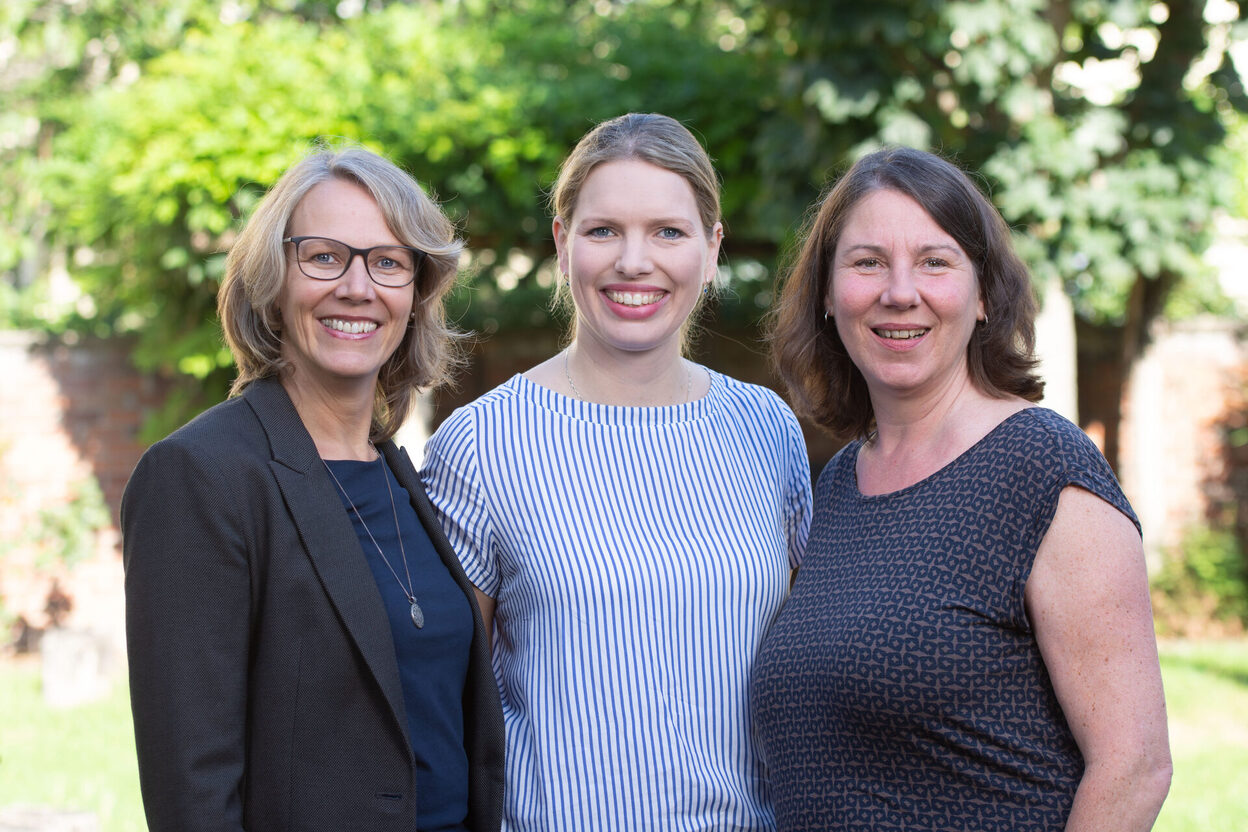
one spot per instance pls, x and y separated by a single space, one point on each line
629 518
305 651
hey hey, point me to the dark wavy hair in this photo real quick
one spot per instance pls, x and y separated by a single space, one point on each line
823 382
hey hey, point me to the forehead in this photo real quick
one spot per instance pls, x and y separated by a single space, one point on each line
887 212
632 187
336 201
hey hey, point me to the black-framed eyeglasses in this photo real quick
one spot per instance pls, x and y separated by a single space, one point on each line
322 258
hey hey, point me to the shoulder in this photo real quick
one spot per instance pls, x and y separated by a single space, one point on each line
745 397
458 433
1056 453
1048 438
230 430
842 462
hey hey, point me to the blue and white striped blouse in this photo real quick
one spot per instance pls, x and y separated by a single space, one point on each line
638 556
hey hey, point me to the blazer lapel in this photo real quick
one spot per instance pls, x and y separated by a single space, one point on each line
328 536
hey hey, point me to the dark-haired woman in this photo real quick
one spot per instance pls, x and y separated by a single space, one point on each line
969 642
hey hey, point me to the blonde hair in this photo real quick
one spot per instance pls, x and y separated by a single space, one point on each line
649 137
256 267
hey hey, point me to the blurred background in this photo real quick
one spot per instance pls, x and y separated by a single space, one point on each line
135 135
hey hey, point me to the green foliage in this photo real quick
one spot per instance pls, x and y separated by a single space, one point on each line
66 533
62 534
1205 580
136 136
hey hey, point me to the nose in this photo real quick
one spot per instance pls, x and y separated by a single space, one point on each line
355 282
901 291
634 256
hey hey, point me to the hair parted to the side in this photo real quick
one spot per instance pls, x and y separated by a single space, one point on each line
823 382
649 137
256 267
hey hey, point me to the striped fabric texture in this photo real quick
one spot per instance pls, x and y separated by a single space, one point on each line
638 556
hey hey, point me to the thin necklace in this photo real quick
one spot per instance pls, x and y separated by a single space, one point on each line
567 373
418 615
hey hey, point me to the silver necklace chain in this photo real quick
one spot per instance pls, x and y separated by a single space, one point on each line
567 373
418 615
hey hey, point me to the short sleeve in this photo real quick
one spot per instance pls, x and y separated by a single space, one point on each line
797 497
452 476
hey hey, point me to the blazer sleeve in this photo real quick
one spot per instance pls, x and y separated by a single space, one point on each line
188 621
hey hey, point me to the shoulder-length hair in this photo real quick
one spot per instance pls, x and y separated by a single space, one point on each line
648 137
256 268
807 352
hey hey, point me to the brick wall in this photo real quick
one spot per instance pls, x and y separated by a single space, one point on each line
74 411
70 412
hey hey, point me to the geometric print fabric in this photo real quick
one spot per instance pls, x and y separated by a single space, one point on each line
901 687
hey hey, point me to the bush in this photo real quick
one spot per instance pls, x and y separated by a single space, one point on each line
1202 587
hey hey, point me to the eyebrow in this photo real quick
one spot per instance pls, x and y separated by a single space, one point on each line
927 249
594 222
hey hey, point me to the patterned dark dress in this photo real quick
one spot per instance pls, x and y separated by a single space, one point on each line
901 686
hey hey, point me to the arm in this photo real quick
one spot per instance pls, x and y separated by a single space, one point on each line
1087 598
187 630
797 504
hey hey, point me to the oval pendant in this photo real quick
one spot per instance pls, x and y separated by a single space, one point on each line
418 615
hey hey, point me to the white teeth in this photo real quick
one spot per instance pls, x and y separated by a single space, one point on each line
635 298
900 334
350 327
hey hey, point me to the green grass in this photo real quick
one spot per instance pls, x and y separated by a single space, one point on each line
83 758
1207 698
79 758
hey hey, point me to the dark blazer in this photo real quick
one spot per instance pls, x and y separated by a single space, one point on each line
263 679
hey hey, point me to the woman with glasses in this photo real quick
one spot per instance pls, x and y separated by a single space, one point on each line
629 518
305 651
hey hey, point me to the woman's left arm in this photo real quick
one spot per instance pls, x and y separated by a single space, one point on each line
1088 601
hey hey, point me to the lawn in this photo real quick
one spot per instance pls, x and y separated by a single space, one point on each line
83 758
1207 698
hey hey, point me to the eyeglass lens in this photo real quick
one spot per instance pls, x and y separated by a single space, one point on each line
324 259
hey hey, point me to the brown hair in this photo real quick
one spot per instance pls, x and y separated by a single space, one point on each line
256 268
808 353
649 137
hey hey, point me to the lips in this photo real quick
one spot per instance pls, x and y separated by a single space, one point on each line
901 334
634 298
349 327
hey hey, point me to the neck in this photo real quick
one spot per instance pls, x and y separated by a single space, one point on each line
915 421
915 437
644 379
338 420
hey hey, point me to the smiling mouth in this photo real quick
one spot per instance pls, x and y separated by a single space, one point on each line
349 327
634 298
900 334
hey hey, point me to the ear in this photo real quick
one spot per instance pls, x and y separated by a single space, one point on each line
560 232
981 313
712 252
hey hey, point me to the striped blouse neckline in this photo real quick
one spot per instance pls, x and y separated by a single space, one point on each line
621 415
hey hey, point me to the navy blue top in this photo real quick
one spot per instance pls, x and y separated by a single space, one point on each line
901 687
433 660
